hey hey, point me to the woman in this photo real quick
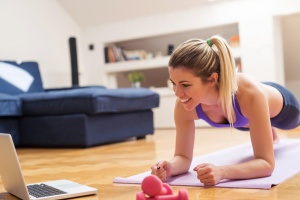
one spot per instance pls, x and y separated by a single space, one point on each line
207 86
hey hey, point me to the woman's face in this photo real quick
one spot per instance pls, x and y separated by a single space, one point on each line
190 89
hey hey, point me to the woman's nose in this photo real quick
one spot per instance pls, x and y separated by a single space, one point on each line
177 91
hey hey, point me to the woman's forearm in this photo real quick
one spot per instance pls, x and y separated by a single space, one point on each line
180 165
250 169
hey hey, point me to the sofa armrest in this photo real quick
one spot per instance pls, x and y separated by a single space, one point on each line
10 105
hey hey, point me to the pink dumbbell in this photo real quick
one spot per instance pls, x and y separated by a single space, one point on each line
152 186
154 189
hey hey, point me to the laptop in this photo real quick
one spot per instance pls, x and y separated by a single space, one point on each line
14 183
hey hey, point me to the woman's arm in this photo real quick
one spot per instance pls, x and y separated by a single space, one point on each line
185 136
254 105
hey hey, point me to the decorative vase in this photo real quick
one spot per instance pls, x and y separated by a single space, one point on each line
136 84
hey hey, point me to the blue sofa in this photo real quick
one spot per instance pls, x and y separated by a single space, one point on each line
70 117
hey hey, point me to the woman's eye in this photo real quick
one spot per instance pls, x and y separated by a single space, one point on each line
185 85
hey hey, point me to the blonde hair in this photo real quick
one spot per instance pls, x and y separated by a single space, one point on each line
203 60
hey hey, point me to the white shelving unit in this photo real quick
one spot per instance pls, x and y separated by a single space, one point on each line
118 71
136 65
153 63
155 69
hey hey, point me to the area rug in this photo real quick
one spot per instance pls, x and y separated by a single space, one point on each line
287 153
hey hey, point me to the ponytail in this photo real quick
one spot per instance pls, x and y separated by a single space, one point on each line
228 78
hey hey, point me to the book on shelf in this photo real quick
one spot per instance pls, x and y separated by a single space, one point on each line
106 57
114 54
111 55
135 54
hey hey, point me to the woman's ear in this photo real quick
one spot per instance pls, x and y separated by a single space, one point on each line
213 79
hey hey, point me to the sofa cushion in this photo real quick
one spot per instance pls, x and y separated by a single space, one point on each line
20 78
10 105
89 101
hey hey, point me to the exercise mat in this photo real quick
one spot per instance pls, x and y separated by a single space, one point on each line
287 153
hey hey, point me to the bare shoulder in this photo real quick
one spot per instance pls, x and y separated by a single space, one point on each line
249 92
248 87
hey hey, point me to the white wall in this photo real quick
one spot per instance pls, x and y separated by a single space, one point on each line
38 30
258 20
291 44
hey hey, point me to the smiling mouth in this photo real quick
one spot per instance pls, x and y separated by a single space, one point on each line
185 100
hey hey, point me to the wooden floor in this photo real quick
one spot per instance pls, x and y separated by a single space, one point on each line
98 166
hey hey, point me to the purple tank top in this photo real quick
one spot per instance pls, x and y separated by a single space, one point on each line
241 121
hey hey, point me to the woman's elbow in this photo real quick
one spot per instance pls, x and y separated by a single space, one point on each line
269 168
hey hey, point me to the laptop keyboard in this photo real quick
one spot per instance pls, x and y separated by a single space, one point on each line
43 190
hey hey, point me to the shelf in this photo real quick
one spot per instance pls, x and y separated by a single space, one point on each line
137 65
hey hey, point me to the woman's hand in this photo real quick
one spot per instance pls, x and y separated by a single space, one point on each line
162 170
209 174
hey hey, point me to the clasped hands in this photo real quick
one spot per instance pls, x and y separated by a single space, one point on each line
208 174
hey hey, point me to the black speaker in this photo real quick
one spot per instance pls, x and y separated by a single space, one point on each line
74 64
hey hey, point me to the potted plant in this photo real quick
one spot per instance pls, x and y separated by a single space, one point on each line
135 78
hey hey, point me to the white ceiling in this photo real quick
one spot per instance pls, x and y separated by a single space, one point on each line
88 13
